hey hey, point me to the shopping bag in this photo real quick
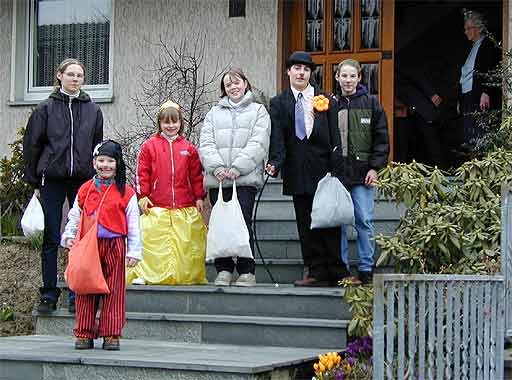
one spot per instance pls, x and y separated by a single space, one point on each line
332 204
227 234
32 221
83 273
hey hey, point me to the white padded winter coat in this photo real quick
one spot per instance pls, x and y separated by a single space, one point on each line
235 138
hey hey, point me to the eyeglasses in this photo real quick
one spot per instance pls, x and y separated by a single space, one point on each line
466 28
73 75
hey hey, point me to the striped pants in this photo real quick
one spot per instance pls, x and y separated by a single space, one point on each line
112 314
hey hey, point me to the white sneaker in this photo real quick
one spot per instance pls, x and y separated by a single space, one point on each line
246 279
138 281
223 278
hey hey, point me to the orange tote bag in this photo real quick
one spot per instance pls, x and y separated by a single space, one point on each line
84 274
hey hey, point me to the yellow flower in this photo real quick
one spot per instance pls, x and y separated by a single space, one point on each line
320 103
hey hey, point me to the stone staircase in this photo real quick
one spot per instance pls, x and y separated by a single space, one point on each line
266 332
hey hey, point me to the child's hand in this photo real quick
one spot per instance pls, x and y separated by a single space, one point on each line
144 204
69 243
200 205
131 262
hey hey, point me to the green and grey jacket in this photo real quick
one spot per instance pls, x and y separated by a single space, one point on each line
364 136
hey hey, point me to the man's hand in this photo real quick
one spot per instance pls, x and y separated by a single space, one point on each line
484 101
436 99
232 174
37 193
271 170
220 174
371 178
144 204
131 262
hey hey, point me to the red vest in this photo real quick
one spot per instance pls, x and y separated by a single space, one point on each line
112 214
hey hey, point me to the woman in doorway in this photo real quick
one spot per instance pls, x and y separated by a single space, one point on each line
233 146
475 95
57 150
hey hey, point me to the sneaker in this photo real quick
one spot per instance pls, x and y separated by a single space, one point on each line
138 281
223 278
84 343
46 306
111 343
246 279
72 306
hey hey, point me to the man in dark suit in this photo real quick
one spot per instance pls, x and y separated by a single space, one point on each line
303 142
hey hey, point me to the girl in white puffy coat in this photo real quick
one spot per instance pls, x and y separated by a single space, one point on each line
234 146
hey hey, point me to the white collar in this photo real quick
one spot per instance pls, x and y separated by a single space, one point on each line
308 92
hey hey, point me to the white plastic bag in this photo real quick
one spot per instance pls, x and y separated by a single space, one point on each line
332 204
227 233
32 221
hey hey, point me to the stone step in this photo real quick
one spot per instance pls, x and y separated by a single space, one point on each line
38 357
215 329
261 300
287 229
275 207
284 271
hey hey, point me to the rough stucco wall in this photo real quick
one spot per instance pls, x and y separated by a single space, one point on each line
11 118
250 43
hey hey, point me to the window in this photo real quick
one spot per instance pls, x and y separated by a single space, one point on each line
48 31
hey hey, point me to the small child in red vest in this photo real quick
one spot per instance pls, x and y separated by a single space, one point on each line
113 203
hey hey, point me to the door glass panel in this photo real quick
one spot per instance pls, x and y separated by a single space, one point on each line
317 77
370 77
370 24
342 24
315 25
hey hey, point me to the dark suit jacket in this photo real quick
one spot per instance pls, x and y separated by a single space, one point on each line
302 163
486 60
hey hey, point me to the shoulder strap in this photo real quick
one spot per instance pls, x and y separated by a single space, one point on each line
102 198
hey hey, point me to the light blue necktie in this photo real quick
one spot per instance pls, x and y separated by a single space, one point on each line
300 125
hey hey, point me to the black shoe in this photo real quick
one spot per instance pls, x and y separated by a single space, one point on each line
46 306
366 277
72 307
84 344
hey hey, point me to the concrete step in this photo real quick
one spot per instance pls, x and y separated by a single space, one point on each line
287 229
276 207
49 357
261 300
212 329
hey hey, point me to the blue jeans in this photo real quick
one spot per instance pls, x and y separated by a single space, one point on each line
363 198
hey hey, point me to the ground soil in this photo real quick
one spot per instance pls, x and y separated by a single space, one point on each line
20 279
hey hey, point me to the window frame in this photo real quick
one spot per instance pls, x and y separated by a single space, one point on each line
23 90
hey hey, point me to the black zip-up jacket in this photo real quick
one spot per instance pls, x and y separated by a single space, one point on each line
364 133
59 139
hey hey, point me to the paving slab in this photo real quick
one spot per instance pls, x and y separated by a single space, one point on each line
156 354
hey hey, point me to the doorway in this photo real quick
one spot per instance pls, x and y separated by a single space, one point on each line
430 49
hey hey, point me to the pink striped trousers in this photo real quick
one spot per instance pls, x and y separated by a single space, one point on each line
112 314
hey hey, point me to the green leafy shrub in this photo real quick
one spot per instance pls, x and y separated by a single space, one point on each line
14 192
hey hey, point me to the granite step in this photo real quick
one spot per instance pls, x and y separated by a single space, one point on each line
39 357
213 329
261 300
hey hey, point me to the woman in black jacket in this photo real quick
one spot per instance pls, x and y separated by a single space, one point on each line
57 149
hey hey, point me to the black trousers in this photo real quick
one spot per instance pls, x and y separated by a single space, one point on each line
470 103
53 194
320 247
246 197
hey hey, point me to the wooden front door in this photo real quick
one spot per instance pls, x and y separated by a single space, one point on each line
334 30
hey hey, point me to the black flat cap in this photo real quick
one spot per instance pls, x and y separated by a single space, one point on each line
300 57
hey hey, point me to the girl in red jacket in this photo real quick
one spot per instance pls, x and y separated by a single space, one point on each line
169 185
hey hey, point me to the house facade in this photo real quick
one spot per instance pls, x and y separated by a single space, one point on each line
116 40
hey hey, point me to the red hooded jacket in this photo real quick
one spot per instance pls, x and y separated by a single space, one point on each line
169 174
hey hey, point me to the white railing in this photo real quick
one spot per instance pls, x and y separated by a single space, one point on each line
438 327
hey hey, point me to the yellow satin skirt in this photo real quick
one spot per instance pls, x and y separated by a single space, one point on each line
174 248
